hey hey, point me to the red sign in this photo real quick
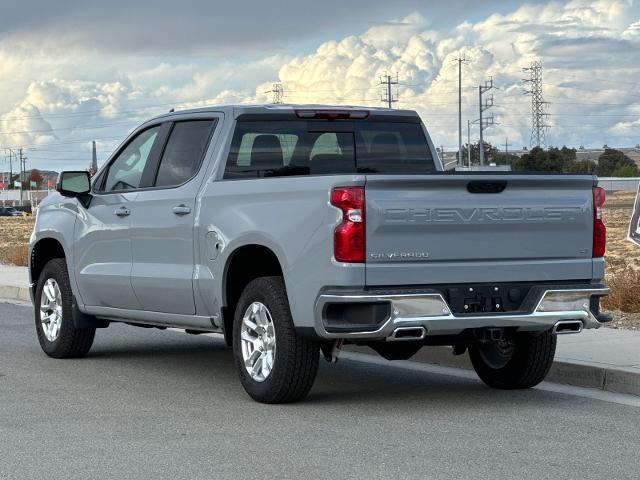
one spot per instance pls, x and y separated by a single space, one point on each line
51 184
2 186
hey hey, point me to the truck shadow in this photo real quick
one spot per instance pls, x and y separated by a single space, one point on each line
208 362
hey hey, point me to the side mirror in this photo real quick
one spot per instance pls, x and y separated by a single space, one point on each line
74 184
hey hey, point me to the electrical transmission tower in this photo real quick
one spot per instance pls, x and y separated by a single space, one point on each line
484 122
538 105
387 96
277 92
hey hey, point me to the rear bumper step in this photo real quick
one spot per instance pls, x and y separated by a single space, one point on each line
414 316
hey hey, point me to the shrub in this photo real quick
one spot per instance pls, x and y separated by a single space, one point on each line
626 171
625 291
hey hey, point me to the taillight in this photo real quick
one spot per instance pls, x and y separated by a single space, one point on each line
599 230
349 236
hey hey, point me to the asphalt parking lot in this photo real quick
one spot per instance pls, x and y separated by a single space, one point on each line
161 404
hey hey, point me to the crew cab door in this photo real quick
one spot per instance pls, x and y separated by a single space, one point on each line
102 250
163 220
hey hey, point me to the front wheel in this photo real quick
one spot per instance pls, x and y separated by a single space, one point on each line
274 363
519 362
53 303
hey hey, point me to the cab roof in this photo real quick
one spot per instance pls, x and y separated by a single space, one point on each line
288 110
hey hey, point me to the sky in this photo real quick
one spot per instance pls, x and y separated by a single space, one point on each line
73 71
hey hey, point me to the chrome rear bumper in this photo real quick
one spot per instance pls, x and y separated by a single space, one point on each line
429 311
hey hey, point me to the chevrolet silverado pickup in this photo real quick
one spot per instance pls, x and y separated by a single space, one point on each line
293 230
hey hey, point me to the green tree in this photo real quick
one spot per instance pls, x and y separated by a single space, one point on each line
582 166
538 160
553 160
626 171
490 153
613 160
502 158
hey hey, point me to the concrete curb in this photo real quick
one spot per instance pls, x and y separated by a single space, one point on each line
576 374
15 293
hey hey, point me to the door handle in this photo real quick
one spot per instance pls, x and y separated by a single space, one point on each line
181 209
122 212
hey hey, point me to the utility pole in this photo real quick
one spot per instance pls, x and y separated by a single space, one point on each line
460 62
388 97
538 105
277 92
506 147
11 154
21 174
469 142
482 89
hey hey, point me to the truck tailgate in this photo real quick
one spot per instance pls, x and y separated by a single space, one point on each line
465 228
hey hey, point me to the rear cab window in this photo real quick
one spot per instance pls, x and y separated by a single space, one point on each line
316 147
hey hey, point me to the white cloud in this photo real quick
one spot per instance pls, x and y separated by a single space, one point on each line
588 53
632 31
588 49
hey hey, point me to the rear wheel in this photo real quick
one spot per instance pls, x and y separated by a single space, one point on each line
53 299
275 364
519 362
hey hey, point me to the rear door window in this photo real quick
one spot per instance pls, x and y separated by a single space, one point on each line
184 152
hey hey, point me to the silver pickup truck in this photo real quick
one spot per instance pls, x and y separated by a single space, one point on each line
293 230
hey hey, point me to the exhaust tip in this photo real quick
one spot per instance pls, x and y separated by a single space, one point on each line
408 333
564 327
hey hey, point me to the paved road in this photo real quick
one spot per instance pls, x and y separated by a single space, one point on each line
152 404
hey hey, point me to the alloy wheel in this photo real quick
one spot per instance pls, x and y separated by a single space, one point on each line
258 341
51 310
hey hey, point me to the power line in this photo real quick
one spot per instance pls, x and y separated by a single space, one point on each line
607 80
73 142
86 127
538 105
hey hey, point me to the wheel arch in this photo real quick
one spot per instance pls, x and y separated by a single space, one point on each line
244 264
44 250
41 252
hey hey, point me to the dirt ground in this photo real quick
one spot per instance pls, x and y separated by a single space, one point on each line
623 262
14 238
623 257
621 253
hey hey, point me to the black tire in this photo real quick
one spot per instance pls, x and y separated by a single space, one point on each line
70 342
528 365
296 358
